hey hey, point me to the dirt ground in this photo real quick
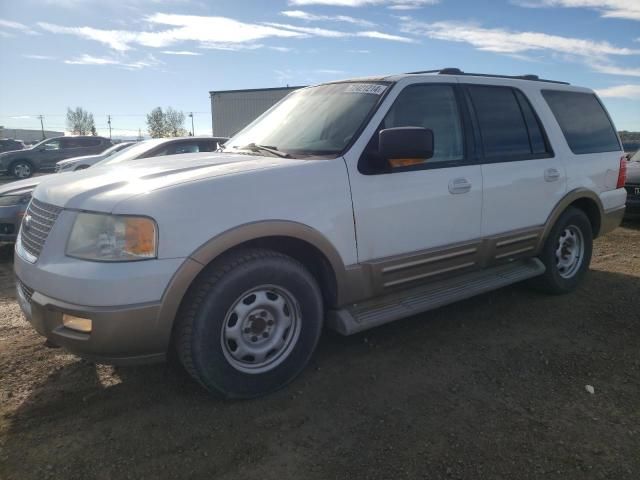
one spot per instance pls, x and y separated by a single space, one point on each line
493 387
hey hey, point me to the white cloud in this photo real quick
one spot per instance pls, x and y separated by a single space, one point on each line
311 31
360 51
615 70
508 41
393 4
16 26
385 36
180 52
86 59
39 57
311 17
631 92
629 9
220 33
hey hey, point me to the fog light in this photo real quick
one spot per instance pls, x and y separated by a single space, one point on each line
78 324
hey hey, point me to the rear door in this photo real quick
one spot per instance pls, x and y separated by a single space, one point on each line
523 179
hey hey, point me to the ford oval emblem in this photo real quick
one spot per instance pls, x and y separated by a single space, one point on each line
26 224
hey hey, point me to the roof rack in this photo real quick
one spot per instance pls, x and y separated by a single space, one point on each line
457 71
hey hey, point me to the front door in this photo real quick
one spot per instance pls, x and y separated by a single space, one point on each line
417 221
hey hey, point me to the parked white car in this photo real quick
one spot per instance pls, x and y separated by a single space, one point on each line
80 163
349 204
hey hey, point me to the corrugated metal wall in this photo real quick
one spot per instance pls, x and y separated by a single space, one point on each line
233 110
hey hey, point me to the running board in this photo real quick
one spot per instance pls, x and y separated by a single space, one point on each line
358 317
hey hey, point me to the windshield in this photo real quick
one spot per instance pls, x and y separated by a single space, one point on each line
312 121
118 147
130 153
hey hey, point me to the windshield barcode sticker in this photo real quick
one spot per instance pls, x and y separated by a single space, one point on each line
366 88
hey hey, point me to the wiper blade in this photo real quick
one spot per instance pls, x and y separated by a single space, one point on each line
265 148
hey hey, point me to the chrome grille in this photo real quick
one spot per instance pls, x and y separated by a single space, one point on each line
27 291
36 225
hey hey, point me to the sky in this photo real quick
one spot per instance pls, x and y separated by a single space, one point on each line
125 57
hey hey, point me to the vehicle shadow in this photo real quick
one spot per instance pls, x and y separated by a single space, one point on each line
498 378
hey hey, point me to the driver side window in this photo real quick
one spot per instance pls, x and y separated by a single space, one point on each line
433 107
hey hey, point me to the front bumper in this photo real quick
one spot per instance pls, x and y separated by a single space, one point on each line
123 335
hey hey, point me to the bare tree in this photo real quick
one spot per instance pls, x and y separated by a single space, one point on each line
80 122
175 122
156 123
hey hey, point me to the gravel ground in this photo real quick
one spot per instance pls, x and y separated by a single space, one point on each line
492 387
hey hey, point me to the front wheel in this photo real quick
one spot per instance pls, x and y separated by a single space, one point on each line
566 253
21 169
249 324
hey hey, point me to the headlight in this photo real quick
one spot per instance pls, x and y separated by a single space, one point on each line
113 238
13 200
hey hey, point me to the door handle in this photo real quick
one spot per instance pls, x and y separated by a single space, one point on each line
551 175
459 185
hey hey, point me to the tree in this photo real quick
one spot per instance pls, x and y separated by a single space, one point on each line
175 122
80 122
169 123
156 123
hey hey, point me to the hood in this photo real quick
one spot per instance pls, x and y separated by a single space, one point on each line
101 188
20 186
77 159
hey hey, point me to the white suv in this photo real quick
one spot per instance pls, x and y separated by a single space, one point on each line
349 204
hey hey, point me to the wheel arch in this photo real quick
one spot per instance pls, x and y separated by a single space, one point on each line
297 240
586 200
26 160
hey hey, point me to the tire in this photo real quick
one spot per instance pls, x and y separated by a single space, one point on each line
21 169
566 253
251 301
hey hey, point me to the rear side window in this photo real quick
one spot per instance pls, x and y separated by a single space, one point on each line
583 121
508 127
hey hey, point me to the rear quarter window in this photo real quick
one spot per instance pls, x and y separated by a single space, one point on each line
583 120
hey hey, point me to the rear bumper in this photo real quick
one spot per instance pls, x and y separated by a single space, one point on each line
611 220
124 335
633 207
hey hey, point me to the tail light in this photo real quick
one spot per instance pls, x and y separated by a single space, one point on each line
622 173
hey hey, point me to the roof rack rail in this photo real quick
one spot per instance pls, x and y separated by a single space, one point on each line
457 71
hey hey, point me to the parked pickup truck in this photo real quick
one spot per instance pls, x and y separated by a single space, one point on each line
347 205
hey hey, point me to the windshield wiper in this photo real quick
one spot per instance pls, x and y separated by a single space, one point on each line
265 148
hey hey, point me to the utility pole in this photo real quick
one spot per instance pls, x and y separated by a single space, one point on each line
192 130
109 122
41 126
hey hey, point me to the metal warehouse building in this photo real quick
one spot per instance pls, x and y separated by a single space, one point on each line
232 110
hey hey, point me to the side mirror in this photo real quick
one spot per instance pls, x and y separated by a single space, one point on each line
406 143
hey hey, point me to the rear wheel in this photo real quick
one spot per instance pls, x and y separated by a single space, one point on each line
249 324
21 169
566 253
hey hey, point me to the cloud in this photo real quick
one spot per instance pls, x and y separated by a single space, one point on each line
385 36
323 32
631 92
310 17
207 31
513 42
615 70
393 4
628 9
219 33
86 59
39 57
17 27
180 52
360 51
